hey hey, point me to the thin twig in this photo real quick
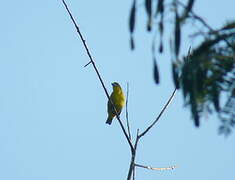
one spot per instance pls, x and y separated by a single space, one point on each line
137 139
158 169
127 117
97 72
160 114
87 64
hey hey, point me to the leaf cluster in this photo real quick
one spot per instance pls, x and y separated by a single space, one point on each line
207 72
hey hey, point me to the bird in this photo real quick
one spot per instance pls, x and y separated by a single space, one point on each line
118 99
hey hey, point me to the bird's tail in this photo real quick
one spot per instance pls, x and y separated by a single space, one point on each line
109 120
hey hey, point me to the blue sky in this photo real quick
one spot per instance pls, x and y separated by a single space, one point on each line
53 111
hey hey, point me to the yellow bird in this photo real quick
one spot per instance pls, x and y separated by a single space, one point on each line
118 99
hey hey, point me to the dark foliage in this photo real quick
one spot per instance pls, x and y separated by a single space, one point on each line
206 73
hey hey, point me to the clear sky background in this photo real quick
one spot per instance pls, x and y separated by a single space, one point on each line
53 111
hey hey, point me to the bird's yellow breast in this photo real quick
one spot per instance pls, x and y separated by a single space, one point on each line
118 97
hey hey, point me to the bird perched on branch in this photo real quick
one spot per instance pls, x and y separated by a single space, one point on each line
118 99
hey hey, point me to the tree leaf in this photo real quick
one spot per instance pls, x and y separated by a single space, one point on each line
132 43
161 46
175 75
148 7
132 17
161 28
215 98
160 7
155 71
194 109
228 26
196 119
177 34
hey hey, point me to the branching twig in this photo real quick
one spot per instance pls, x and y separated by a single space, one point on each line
127 117
196 16
97 72
158 169
200 19
133 148
138 136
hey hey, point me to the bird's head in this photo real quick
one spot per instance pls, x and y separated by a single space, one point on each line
116 86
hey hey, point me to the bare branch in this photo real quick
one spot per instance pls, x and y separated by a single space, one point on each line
138 136
160 114
97 72
133 147
158 169
127 117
